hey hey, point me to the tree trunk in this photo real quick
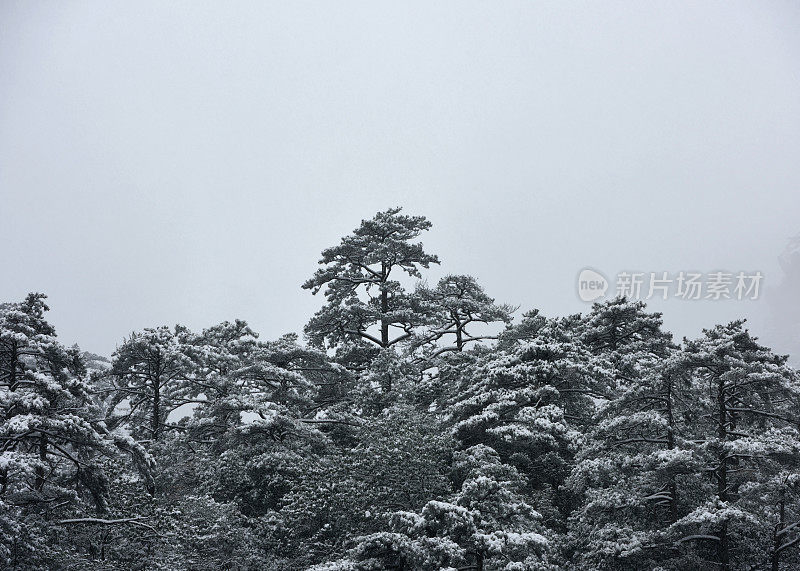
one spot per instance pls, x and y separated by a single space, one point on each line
384 321
776 539
12 376
155 422
12 381
40 473
723 550
612 341
672 486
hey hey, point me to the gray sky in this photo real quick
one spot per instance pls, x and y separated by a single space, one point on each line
187 162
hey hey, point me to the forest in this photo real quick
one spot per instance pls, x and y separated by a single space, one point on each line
414 426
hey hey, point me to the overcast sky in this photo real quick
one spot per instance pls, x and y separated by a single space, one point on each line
187 162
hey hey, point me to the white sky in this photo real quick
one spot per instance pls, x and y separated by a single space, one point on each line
188 161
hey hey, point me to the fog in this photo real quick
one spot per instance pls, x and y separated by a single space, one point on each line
187 162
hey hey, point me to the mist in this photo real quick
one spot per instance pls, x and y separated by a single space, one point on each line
187 162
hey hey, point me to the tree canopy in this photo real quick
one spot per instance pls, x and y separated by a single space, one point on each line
416 427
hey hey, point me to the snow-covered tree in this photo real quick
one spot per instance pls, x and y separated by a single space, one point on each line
527 400
746 429
150 371
398 460
635 473
487 524
630 338
365 302
53 441
45 406
456 303
628 468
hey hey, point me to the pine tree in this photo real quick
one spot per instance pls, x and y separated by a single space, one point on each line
456 303
398 460
635 474
529 403
627 336
361 286
52 441
628 468
486 524
151 371
746 430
